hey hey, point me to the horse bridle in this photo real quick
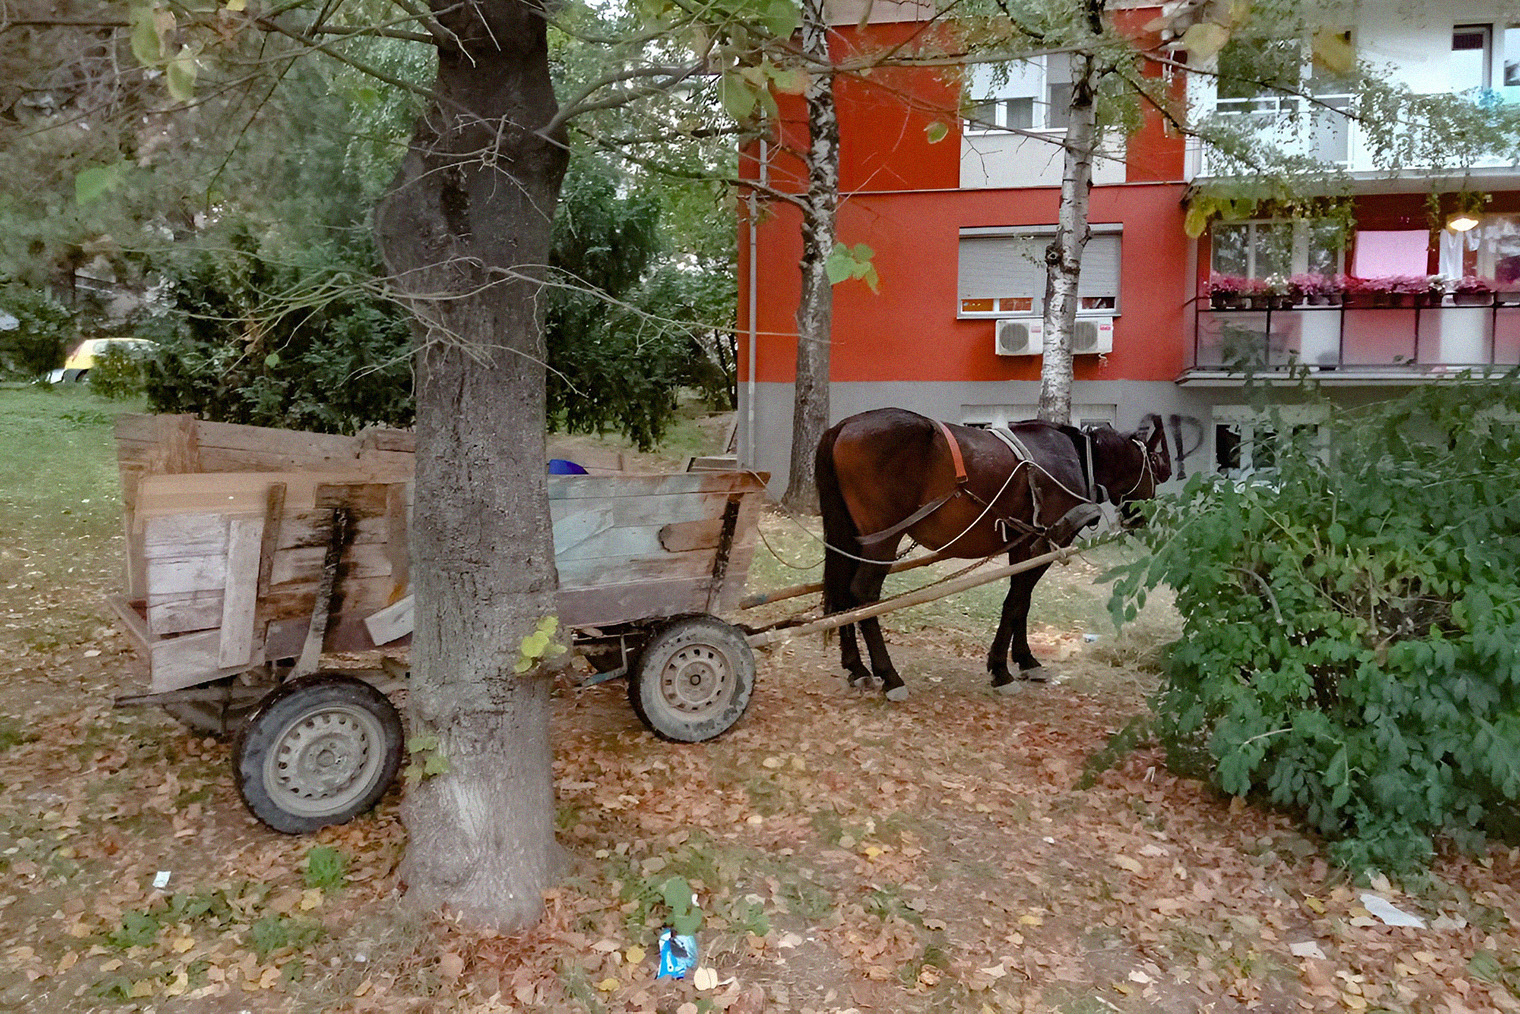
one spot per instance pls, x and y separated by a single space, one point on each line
1097 493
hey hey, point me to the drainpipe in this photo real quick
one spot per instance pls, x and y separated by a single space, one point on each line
754 307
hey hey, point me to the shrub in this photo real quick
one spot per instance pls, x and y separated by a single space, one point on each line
295 341
119 371
1351 644
37 344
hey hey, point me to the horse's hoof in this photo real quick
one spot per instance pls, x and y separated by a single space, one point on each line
1039 674
1007 689
897 694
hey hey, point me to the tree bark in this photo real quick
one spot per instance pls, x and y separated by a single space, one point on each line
1063 258
815 309
464 230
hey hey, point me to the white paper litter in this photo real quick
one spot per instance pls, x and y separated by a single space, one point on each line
1306 949
161 881
1384 911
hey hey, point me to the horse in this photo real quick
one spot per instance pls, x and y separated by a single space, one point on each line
966 492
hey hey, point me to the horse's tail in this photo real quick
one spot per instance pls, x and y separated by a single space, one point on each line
839 531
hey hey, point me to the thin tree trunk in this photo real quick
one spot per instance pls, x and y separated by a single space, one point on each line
815 309
463 228
1063 258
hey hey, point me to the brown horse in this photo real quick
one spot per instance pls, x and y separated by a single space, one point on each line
967 493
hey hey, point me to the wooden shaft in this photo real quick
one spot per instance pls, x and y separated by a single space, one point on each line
791 592
919 597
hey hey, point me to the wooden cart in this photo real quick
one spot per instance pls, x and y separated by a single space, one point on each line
253 552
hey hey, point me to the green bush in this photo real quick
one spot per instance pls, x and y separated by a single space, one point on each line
36 346
297 340
119 372
1351 645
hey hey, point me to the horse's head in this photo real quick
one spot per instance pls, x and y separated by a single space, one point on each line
1130 466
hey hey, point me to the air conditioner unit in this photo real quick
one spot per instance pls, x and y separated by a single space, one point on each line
1093 335
1024 336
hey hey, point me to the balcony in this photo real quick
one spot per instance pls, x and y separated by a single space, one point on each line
1300 127
1355 344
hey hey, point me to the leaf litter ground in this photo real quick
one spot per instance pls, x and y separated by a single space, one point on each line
848 854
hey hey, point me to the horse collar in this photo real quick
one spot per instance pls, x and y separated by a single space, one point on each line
955 453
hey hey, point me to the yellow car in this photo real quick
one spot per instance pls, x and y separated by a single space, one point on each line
78 364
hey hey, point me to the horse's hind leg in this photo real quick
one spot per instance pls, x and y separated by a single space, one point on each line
1012 639
867 588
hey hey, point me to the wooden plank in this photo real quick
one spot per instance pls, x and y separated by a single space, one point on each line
132 620
596 572
621 603
187 660
576 487
391 623
682 536
245 540
184 613
316 632
616 544
305 563
398 529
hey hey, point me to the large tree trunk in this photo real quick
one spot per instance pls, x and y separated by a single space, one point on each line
815 310
464 229
1063 258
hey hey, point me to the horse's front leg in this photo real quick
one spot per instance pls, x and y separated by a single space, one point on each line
849 656
867 589
1012 639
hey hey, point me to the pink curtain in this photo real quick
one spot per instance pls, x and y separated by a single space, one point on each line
1405 252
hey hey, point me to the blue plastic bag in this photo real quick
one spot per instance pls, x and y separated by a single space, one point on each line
678 954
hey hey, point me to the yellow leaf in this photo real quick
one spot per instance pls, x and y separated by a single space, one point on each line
1333 51
872 852
608 984
1031 920
1126 863
634 955
1204 40
178 987
182 944
311 898
111 966
237 5
1316 905
142 987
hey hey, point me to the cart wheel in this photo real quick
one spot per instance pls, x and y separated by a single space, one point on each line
693 679
320 750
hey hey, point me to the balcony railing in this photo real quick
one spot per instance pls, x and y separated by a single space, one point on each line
1359 338
1319 128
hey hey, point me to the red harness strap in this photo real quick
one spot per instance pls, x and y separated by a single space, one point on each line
955 453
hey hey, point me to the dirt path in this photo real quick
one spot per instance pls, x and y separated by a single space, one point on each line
926 856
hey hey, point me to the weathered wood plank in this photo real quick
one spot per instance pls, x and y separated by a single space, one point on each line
390 623
245 540
620 603
577 487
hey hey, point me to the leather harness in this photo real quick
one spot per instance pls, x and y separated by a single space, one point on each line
1073 521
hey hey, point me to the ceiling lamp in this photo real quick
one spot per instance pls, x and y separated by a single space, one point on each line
1462 221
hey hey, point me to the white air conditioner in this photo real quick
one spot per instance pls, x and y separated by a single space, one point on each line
1022 336
1092 335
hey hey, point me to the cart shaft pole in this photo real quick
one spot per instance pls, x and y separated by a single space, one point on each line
915 598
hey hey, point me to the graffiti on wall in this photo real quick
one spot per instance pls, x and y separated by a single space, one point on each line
1181 427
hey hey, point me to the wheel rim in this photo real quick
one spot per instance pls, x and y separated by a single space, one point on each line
696 680
324 761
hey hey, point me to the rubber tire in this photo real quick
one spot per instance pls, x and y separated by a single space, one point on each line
296 709
707 649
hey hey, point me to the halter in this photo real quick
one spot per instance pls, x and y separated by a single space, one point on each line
1096 492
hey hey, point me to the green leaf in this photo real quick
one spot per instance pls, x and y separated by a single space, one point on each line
738 96
272 360
936 132
1196 222
780 18
677 894
147 43
93 183
436 764
788 80
180 76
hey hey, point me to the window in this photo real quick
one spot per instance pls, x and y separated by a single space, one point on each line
1511 78
1285 247
1032 94
984 416
1247 442
1471 57
1003 273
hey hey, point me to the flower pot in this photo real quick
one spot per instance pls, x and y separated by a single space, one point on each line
1223 300
1280 302
1316 298
1403 299
1334 298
